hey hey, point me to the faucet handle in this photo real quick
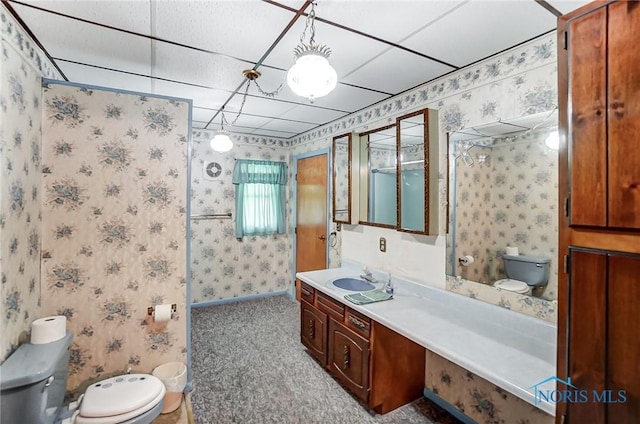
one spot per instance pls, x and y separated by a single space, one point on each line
366 270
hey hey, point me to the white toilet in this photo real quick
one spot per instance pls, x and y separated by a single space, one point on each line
524 273
33 382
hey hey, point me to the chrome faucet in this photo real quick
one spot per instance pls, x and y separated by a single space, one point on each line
367 275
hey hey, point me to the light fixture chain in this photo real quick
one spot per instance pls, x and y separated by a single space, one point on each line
244 99
270 94
312 19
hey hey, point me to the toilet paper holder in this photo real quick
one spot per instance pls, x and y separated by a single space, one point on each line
174 309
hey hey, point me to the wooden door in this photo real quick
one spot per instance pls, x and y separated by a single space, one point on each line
311 214
313 332
349 358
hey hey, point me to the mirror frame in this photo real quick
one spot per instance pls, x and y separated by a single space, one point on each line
364 172
425 142
333 178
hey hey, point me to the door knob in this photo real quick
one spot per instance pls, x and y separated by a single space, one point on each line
322 237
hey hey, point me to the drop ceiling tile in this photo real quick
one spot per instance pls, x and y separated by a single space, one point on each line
260 106
103 78
242 29
128 15
86 43
271 133
198 125
311 114
481 28
203 97
206 69
396 71
201 114
292 127
245 121
566 6
381 19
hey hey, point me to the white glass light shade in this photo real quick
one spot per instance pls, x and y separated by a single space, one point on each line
553 140
221 142
312 76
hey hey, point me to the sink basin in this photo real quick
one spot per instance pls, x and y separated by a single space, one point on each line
353 284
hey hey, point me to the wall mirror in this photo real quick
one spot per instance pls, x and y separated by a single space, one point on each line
342 178
417 147
378 177
504 192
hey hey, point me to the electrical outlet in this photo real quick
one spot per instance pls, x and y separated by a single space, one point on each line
338 226
383 244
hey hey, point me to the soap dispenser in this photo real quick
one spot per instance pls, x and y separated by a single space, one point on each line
388 287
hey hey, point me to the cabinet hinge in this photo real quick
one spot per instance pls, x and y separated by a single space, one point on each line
565 42
567 264
295 230
567 205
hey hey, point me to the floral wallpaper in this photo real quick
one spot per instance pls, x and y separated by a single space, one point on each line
509 200
114 196
341 178
20 194
223 267
477 398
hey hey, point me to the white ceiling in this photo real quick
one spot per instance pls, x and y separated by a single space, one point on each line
198 49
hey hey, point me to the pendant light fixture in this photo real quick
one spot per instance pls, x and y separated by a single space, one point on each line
312 76
221 142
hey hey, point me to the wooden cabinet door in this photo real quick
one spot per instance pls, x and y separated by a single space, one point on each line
604 116
623 61
587 79
349 358
604 341
313 331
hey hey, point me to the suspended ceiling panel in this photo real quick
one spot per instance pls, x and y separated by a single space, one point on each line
481 28
311 114
128 15
243 29
566 6
396 70
104 78
292 127
390 20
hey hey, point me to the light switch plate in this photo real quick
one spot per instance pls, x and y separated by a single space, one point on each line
383 244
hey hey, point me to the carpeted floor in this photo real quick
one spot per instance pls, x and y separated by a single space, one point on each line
249 367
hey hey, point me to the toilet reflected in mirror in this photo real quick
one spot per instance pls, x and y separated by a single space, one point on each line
503 192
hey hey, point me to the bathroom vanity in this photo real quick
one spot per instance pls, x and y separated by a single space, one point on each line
379 350
378 365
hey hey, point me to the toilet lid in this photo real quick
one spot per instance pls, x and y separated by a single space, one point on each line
120 395
516 286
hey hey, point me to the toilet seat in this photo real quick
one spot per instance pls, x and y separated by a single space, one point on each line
121 398
515 286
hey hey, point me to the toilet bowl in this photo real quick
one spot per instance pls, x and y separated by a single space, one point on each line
512 285
33 382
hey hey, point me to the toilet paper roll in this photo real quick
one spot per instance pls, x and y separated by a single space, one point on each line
466 260
162 313
511 251
48 329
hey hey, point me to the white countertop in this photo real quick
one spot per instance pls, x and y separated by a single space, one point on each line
511 350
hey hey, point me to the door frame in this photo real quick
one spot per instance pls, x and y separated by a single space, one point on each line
294 209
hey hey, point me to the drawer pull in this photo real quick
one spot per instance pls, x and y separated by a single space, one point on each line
305 291
312 329
355 321
345 362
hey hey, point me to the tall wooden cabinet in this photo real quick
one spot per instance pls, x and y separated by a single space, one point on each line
599 290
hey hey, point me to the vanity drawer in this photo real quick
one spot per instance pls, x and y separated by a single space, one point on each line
358 323
307 292
330 306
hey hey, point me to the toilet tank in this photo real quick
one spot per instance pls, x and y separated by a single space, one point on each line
530 269
33 381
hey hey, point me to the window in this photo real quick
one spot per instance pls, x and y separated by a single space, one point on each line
260 190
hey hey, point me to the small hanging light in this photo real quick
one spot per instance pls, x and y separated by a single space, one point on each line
221 142
312 75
